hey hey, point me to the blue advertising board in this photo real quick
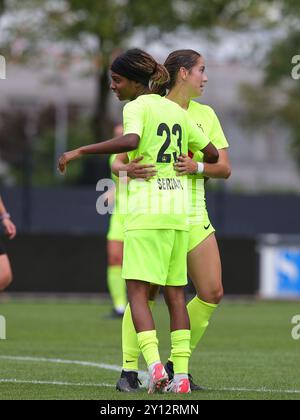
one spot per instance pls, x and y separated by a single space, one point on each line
280 272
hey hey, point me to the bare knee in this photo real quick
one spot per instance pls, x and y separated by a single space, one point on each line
174 296
218 296
138 291
214 296
114 261
115 253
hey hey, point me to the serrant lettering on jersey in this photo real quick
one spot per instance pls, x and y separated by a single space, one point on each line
169 184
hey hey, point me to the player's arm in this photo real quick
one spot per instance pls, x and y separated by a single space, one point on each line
219 170
199 141
209 151
119 164
121 144
211 154
133 122
222 169
9 227
132 169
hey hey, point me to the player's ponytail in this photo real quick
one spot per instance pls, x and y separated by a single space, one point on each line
159 80
141 67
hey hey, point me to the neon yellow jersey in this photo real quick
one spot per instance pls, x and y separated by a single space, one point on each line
165 131
206 119
121 188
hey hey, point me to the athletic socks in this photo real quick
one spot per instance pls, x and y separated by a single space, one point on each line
200 313
130 345
181 351
117 288
148 344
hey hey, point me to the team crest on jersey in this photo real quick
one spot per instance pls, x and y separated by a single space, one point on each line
200 126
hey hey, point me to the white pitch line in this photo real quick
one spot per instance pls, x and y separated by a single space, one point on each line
63 361
259 391
116 368
103 385
20 381
142 375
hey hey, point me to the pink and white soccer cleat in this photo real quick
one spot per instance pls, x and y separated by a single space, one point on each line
181 386
158 379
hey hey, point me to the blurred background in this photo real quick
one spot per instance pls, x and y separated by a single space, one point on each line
56 96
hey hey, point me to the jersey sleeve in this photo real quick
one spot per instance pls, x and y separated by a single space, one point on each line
217 135
133 118
197 138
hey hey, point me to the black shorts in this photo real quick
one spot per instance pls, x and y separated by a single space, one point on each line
2 249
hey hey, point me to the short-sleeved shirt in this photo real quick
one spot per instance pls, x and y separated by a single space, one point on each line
165 131
206 119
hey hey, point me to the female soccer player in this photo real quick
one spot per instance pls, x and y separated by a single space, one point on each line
115 240
115 236
11 231
155 243
187 81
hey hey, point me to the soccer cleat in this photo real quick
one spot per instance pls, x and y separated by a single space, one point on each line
158 379
170 371
195 387
128 382
179 387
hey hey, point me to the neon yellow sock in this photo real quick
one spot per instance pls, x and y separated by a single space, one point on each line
181 351
148 344
130 345
200 313
117 287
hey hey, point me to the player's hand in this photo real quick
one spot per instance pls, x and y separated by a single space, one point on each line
185 166
10 228
65 159
136 170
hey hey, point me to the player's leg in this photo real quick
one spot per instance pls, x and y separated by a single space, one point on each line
116 283
128 381
180 339
5 271
179 319
204 266
138 296
139 244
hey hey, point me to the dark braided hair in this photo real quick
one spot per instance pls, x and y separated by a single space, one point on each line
141 67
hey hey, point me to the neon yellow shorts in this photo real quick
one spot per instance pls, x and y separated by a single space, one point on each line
156 256
116 227
198 233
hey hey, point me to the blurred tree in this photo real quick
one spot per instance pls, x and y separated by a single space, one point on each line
276 100
41 30
1 6
111 23
14 143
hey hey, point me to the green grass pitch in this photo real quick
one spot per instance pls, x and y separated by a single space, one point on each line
247 353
